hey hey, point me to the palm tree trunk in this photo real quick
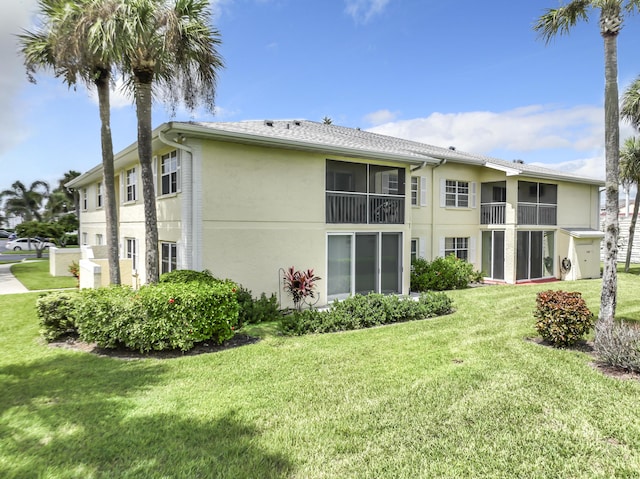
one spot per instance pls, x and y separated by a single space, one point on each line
608 295
111 212
632 229
143 110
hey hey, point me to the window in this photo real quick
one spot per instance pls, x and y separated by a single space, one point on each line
414 190
170 169
537 203
169 257
99 195
131 251
414 249
457 193
85 238
85 199
98 239
458 247
131 181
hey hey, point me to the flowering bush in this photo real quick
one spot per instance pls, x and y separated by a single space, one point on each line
300 285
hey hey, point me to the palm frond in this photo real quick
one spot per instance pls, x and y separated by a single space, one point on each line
559 21
630 108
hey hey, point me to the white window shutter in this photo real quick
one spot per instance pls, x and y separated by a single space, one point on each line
178 171
443 192
122 187
423 191
154 168
422 248
473 194
472 249
441 248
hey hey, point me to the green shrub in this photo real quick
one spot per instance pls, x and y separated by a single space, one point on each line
562 317
158 317
256 310
441 274
359 311
619 345
187 276
56 313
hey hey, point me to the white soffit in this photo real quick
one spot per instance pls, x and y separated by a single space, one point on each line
506 169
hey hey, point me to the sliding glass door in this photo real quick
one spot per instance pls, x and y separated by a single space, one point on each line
535 255
362 263
493 254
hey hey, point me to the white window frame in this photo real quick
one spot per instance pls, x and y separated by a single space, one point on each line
85 238
445 249
172 260
85 200
172 159
131 252
414 249
415 190
99 241
455 193
99 195
130 185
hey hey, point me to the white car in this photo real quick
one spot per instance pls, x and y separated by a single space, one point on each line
27 244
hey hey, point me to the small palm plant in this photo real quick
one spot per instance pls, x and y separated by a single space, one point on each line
300 284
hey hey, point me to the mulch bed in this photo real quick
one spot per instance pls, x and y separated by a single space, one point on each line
128 354
587 347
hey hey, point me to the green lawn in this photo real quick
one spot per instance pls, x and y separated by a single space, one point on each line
34 275
460 396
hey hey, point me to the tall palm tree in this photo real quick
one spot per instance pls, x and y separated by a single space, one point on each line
24 202
630 175
560 21
72 196
76 42
169 49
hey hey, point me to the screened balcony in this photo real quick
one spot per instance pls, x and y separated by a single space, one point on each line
359 193
492 213
537 214
493 203
537 203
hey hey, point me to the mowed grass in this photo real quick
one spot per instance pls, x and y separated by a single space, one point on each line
34 275
464 395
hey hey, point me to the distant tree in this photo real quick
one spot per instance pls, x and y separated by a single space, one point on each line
327 120
169 50
630 175
26 203
56 205
73 198
77 43
38 229
560 21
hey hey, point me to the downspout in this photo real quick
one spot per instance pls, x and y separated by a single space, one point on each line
186 180
433 233
424 163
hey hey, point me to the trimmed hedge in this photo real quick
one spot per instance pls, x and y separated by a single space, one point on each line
158 317
442 274
56 313
365 311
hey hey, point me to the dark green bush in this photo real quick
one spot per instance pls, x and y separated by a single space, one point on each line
441 274
256 310
56 314
562 318
619 345
357 312
158 317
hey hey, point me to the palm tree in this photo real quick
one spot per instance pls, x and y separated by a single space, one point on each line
75 42
26 202
560 21
72 196
630 174
168 49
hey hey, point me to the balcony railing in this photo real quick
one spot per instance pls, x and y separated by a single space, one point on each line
537 214
492 213
363 208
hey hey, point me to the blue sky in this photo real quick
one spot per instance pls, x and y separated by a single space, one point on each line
468 74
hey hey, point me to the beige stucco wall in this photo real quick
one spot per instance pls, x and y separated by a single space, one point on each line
60 259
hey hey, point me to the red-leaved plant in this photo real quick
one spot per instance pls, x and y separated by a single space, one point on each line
300 285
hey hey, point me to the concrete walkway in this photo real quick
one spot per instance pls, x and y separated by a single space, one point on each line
8 282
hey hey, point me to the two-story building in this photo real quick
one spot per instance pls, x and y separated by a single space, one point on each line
246 199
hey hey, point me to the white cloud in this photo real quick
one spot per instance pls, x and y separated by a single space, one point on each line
363 10
381 116
14 17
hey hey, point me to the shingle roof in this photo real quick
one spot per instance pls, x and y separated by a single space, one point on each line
301 132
